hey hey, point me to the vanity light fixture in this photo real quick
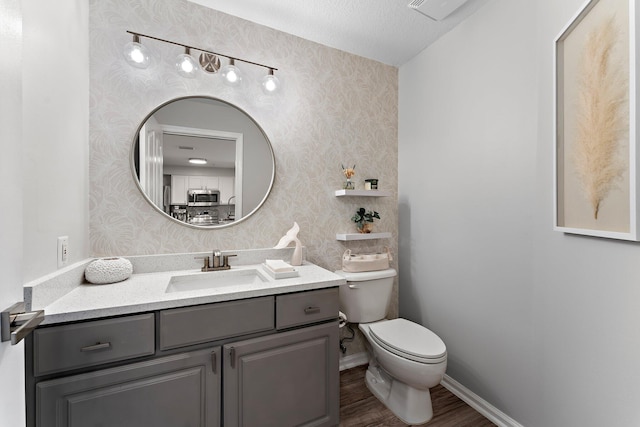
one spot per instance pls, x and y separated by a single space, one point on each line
270 83
137 55
197 161
231 74
209 63
186 65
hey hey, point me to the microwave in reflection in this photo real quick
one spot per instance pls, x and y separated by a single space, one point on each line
198 197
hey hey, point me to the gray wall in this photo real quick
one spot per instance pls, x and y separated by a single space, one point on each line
542 325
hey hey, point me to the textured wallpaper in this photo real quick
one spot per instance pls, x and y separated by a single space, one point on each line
334 108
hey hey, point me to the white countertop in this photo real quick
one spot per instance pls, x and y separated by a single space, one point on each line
147 292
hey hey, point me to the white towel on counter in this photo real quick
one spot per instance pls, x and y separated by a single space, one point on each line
278 265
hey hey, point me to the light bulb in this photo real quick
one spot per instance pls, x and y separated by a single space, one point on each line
136 54
231 74
186 65
270 83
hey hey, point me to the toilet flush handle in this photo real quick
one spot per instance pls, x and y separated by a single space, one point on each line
353 286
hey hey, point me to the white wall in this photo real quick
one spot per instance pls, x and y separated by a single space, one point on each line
56 131
11 357
542 325
43 167
586 289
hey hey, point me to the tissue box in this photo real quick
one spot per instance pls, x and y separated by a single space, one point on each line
279 269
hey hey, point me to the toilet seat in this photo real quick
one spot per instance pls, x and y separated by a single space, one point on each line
409 340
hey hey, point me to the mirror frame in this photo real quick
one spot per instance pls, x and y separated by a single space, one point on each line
134 174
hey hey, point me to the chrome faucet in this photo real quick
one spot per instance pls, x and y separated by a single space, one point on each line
229 207
218 261
217 256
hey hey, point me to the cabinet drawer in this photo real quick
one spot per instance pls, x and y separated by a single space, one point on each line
306 307
193 325
65 347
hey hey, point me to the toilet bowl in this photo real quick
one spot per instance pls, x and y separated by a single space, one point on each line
406 359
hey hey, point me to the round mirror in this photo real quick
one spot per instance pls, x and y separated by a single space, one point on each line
203 162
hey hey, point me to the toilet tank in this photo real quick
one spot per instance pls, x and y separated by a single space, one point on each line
365 298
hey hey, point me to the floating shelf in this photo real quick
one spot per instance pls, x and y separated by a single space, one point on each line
362 236
366 193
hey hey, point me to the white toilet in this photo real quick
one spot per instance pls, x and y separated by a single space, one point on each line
408 359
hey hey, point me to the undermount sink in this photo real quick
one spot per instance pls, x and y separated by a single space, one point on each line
215 279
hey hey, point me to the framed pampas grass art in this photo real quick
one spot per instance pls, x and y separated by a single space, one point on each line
596 162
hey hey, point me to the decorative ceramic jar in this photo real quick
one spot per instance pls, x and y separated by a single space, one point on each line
108 270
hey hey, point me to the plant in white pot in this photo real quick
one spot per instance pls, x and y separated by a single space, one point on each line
364 220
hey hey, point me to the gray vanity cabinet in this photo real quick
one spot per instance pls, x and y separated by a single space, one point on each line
177 390
275 357
287 379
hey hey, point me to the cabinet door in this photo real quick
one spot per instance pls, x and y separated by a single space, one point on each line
211 182
179 190
286 379
203 182
226 188
178 390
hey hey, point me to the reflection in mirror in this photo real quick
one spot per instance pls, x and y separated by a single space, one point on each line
202 162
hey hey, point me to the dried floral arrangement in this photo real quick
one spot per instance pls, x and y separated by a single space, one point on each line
601 121
348 172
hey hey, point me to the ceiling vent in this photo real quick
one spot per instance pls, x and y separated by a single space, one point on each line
436 9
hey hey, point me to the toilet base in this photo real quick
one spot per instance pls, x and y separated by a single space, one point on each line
410 405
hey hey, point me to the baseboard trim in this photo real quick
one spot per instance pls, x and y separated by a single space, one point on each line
492 413
353 360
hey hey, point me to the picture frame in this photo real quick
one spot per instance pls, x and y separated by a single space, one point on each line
595 116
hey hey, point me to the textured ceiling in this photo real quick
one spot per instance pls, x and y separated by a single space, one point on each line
384 30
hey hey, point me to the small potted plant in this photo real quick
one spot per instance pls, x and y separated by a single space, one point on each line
364 220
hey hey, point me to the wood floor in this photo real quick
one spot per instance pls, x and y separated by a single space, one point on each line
359 408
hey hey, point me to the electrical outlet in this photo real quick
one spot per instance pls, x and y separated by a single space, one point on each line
63 251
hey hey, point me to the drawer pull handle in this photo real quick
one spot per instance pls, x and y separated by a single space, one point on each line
97 346
311 310
232 356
